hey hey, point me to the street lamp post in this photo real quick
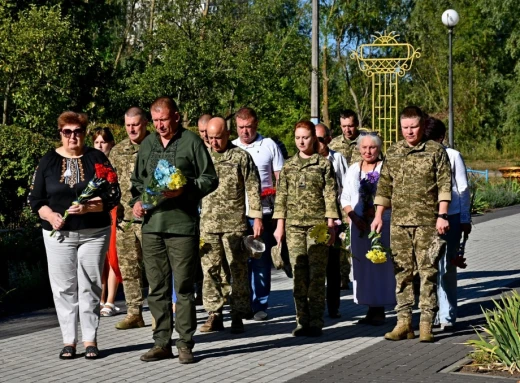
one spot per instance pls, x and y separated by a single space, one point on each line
450 18
315 98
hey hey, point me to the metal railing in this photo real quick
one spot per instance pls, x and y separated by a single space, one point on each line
483 173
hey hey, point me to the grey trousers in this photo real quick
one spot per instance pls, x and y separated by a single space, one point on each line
75 260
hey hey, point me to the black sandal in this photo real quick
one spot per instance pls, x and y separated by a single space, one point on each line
68 350
91 350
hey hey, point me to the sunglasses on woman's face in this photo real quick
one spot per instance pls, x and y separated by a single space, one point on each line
69 132
367 133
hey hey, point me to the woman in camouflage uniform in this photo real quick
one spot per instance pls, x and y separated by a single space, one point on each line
306 197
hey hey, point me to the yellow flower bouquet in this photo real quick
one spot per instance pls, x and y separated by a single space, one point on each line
377 252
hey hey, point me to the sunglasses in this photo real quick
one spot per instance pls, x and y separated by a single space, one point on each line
321 139
76 132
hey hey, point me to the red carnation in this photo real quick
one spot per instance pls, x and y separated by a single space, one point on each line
267 192
112 177
101 171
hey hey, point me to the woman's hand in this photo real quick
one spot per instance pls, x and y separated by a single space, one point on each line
279 233
78 209
56 220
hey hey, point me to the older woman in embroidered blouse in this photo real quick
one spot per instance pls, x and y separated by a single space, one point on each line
76 253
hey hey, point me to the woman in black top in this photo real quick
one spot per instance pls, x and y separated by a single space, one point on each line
76 252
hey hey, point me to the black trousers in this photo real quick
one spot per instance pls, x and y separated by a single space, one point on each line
333 280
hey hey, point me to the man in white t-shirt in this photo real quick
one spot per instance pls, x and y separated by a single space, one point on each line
269 161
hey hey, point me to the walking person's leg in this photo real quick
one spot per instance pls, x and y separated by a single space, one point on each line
93 246
62 256
182 252
130 258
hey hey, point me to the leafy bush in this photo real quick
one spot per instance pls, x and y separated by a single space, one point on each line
505 193
501 347
23 270
20 151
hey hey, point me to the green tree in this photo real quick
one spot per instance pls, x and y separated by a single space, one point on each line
40 55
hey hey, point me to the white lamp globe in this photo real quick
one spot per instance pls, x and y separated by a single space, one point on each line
450 18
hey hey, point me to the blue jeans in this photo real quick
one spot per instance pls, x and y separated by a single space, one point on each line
447 277
260 269
174 296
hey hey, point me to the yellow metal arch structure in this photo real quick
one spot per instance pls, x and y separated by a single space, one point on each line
385 60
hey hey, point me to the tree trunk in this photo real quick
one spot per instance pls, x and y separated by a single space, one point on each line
6 97
129 23
325 88
354 96
150 27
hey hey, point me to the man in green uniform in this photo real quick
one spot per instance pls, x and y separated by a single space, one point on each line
346 144
224 225
347 141
171 230
128 241
416 182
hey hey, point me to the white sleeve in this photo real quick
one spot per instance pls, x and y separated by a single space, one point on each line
277 157
348 187
462 187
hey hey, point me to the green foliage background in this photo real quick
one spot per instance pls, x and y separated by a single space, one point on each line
102 57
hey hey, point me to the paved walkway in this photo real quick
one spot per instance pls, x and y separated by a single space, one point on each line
267 352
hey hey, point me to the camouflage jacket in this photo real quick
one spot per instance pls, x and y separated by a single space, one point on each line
306 193
413 180
346 147
122 157
224 210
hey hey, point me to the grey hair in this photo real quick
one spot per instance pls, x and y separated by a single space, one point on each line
376 140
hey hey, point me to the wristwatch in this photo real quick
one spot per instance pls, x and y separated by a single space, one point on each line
443 216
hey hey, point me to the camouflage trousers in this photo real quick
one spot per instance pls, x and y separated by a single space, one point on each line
224 251
130 258
309 264
416 248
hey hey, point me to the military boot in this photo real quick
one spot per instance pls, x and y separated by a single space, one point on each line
214 323
425 332
237 325
130 321
403 330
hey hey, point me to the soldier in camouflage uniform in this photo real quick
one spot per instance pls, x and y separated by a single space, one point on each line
306 197
416 181
223 227
346 144
225 274
128 241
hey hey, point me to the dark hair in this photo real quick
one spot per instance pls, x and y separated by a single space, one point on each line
164 102
72 118
348 113
306 124
413 111
105 133
434 129
246 113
